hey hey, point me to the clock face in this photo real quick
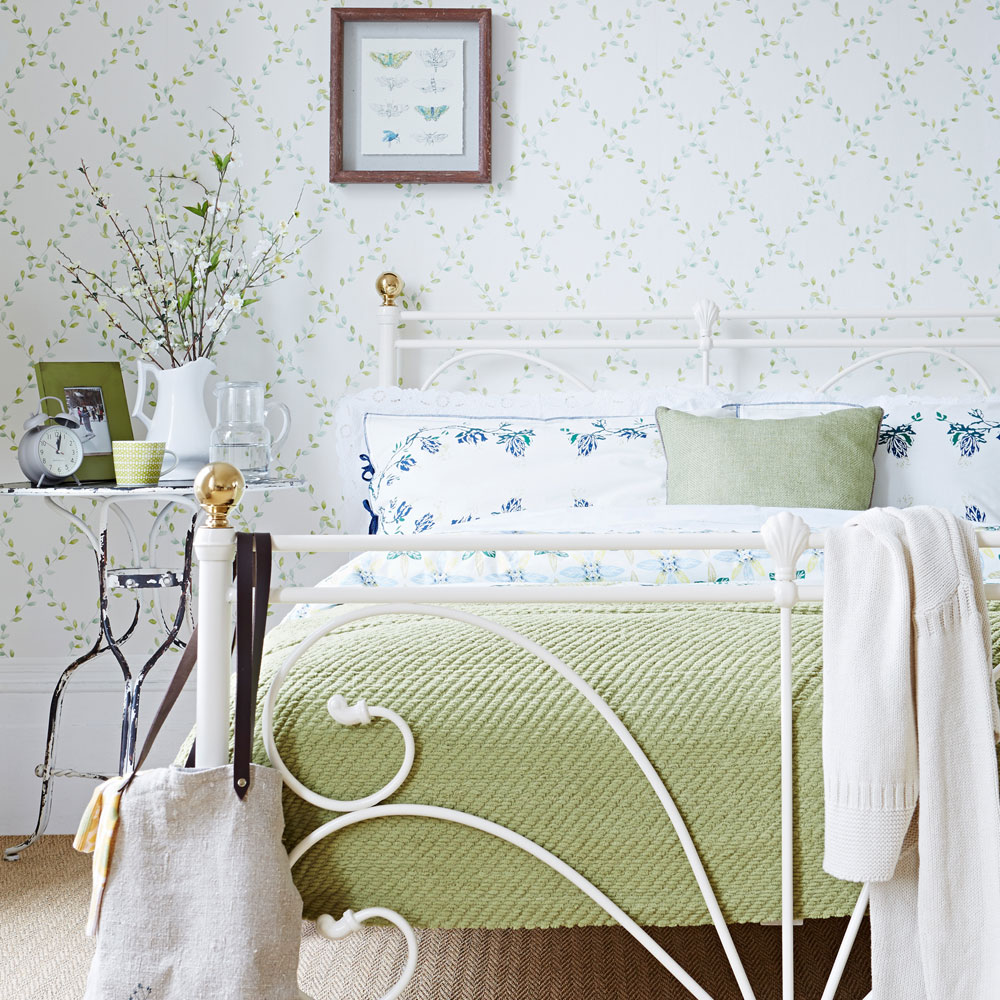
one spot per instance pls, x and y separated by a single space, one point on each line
60 451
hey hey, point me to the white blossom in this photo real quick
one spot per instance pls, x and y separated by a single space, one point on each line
261 248
233 302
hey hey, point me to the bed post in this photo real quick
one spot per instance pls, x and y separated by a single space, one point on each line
389 286
786 536
706 315
218 488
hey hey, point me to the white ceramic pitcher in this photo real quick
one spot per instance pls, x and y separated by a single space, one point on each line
179 418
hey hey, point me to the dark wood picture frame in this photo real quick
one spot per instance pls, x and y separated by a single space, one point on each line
338 92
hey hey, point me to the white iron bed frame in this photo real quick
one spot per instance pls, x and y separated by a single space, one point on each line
785 537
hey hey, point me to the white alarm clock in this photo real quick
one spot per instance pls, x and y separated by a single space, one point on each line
50 450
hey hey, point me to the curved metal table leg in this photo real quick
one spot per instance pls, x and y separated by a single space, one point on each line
46 770
130 725
55 713
106 641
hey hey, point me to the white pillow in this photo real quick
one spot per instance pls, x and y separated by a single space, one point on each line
931 451
436 472
429 459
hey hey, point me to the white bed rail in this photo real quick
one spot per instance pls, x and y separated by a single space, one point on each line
467 541
561 593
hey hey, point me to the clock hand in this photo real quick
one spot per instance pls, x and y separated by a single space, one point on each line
58 443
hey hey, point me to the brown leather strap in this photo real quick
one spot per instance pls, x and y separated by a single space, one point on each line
170 696
244 653
262 589
253 580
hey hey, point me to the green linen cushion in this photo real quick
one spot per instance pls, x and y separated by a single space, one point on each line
820 461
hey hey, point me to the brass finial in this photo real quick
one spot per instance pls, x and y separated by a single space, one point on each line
388 285
218 488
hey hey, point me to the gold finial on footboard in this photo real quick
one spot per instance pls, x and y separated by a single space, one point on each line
218 488
389 286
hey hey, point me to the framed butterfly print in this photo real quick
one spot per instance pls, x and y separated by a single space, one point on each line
410 97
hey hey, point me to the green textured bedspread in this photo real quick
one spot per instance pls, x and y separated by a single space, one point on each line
499 734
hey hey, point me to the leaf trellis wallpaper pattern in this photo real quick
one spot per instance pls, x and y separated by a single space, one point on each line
646 154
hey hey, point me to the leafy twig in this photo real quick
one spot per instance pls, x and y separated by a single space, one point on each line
186 284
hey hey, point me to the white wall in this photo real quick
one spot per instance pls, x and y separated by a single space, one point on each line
645 153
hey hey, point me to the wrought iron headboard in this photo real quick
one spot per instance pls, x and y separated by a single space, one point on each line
705 316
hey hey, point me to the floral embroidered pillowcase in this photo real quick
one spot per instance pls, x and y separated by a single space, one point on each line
430 473
935 452
369 426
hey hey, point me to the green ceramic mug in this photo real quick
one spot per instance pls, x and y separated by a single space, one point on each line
140 463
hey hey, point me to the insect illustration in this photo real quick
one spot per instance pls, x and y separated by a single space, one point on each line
436 58
432 114
389 137
432 86
391 60
392 82
432 138
389 110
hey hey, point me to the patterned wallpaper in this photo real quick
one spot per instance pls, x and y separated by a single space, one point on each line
778 155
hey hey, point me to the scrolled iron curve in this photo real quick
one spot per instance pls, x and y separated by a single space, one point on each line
576 681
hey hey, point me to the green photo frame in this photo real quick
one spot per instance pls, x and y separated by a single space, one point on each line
94 392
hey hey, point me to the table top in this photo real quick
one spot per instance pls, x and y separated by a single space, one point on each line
110 489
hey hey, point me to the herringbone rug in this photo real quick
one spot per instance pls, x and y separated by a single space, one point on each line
44 955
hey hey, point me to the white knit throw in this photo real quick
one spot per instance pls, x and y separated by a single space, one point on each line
910 710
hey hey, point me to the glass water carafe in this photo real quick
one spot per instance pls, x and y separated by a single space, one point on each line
241 436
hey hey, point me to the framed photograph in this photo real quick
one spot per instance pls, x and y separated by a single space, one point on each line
410 95
94 393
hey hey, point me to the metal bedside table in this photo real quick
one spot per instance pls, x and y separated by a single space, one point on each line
137 576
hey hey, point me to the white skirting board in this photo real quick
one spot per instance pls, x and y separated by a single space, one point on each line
89 733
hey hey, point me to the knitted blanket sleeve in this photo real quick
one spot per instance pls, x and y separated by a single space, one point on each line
499 734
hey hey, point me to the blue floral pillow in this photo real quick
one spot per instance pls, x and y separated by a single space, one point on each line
430 473
941 453
935 452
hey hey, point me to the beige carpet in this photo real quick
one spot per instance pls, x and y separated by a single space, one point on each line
44 954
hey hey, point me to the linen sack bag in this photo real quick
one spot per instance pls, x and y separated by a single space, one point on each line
197 899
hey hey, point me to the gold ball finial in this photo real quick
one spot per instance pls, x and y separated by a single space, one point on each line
389 286
218 488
